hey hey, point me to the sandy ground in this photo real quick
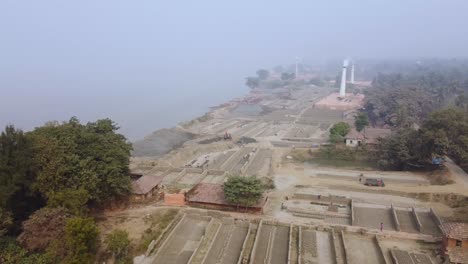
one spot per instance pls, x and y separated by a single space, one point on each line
298 119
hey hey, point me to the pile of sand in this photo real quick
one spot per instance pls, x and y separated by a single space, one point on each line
161 142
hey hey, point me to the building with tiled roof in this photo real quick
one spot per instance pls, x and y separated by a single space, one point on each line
455 242
211 196
145 186
368 136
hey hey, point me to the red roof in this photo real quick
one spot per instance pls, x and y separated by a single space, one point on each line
145 184
455 230
212 193
208 193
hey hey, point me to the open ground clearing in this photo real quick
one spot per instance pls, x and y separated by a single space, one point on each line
201 236
317 211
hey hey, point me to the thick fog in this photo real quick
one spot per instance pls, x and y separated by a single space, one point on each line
151 64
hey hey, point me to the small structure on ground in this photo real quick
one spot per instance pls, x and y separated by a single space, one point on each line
455 242
368 136
211 196
174 199
336 102
145 187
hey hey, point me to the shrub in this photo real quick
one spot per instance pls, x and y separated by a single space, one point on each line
81 239
118 244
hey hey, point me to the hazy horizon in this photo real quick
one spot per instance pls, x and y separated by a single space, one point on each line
150 64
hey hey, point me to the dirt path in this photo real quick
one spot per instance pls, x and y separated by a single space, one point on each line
460 175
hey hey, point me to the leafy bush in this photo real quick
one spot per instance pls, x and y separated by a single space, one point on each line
339 131
118 243
81 240
361 121
243 191
91 157
12 253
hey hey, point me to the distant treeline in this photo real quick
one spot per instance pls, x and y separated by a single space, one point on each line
426 104
401 99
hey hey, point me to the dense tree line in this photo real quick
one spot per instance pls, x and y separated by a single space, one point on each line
443 133
427 107
58 171
399 100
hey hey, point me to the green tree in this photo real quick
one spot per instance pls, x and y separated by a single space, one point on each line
443 133
244 191
72 200
361 121
91 158
398 151
81 240
263 74
118 243
252 82
17 175
6 221
339 131
12 253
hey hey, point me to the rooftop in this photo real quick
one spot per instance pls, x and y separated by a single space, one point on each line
211 193
145 184
455 230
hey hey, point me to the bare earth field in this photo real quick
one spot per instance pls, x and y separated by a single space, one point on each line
323 204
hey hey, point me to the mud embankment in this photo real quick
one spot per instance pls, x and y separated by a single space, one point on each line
160 142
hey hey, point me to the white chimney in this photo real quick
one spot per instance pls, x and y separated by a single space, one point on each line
343 79
352 73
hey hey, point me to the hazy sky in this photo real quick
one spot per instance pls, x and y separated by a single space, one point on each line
150 64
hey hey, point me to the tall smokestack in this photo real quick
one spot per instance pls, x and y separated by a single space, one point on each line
343 79
352 73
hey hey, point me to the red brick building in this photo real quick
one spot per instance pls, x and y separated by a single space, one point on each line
211 196
455 242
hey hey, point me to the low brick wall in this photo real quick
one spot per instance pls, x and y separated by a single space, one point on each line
345 247
324 199
194 170
239 261
395 218
416 218
175 199
254 249
436 219
381 250
216 172
299 246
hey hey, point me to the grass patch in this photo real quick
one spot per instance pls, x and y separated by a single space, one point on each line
340 157
158 222
301 155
